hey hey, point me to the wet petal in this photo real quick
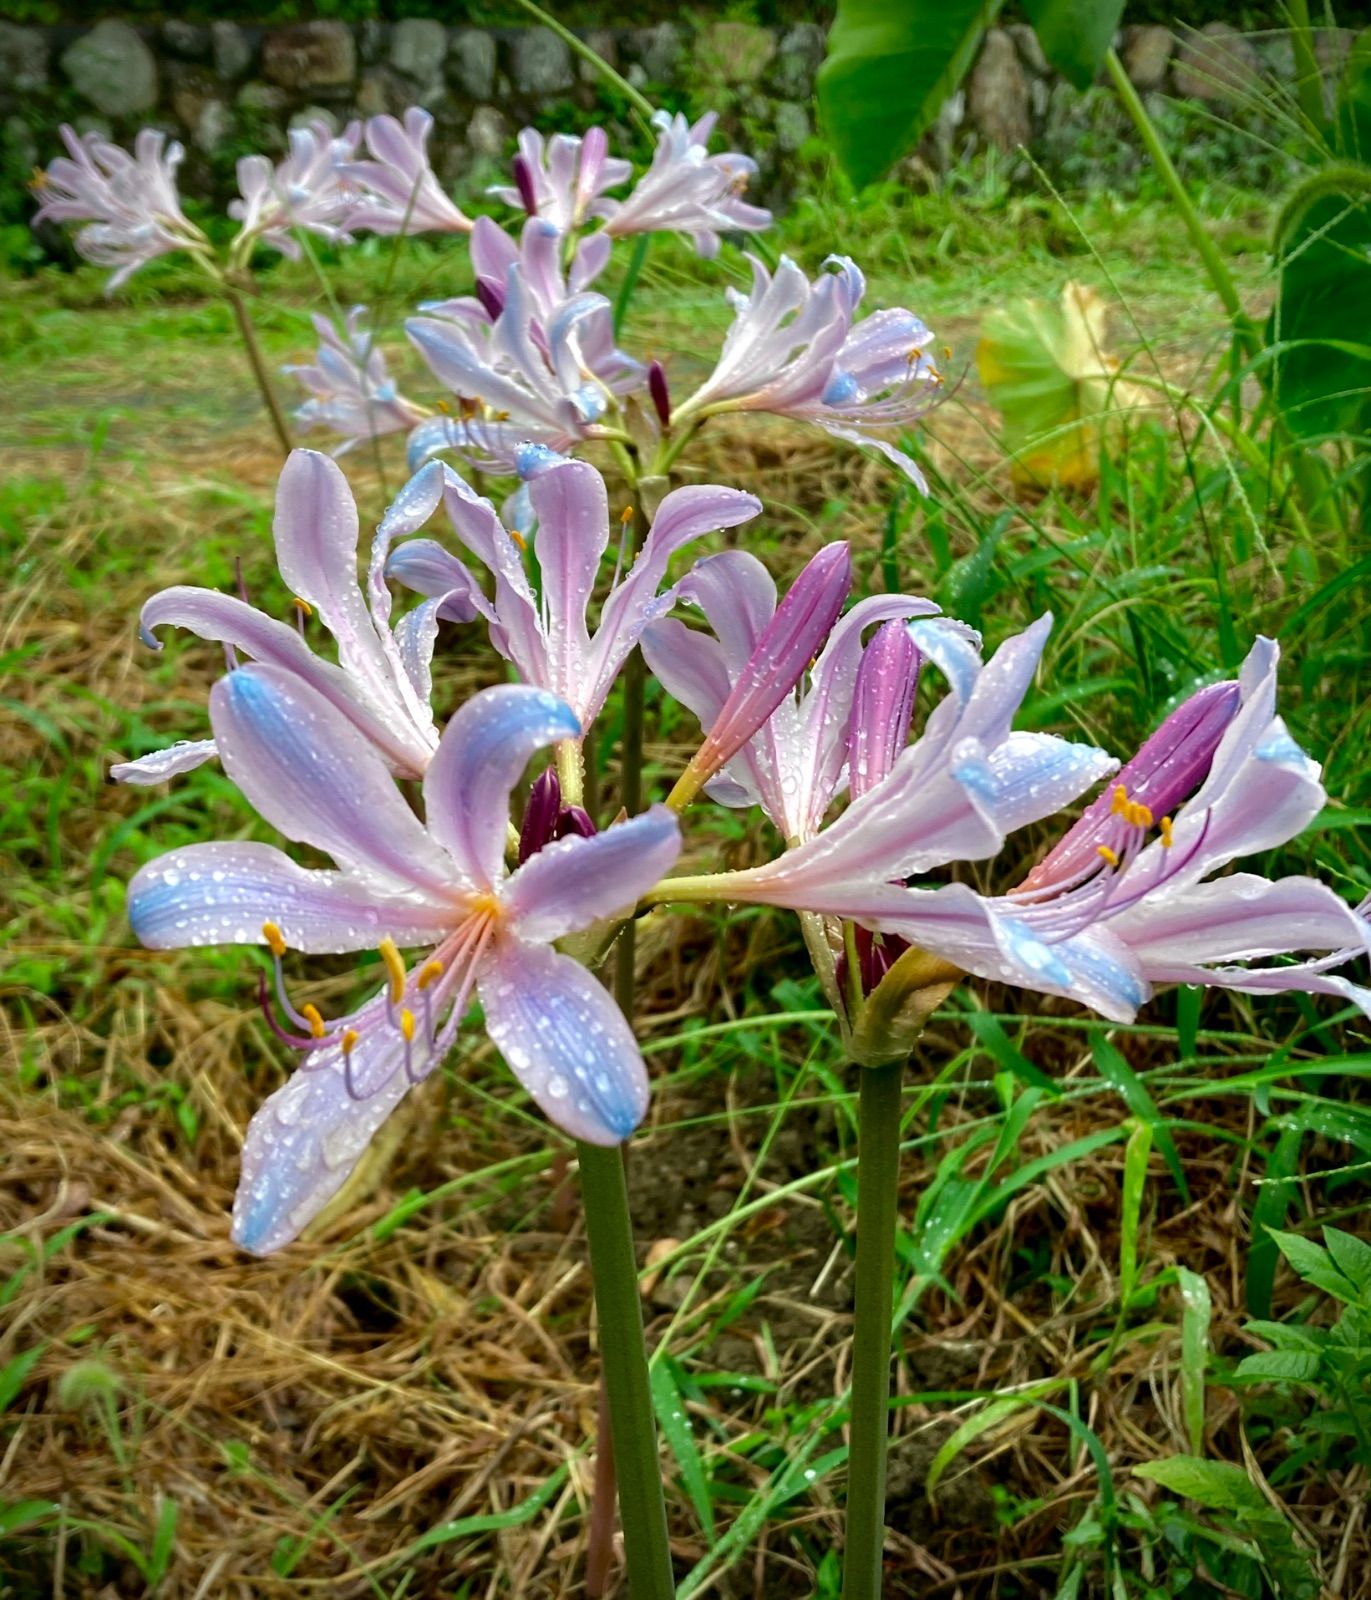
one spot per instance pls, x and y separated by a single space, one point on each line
572 512
565 1040
1239 918
482 753
306 1139
159 765
573 882
310 774
214 894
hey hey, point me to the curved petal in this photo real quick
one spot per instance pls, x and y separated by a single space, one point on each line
424 566
1240 918
565 1040
225 618
482 752
1030 775
212 894
573 882
572 511
1305 978
316 530
306 1139
310 774
159 765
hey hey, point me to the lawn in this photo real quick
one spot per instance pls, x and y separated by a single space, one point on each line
405 1404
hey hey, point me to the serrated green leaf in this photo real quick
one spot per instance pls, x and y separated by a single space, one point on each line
1314 1264
890 65
1216 1484
1279 1366
1351 1256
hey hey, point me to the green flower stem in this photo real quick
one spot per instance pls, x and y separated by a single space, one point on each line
259 366
1200 237
878 1176
604 1195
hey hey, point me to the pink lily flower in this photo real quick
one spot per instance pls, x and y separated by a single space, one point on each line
381 682
797 350
796 763
440 886
967 781
128 202
308 190
687 190
351 390
546 636
528 357
564 179
399 192
1103 925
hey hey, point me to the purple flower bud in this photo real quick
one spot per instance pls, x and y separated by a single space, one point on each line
523 181
1169 767
882 704
784 649
546 818
491 296
661 397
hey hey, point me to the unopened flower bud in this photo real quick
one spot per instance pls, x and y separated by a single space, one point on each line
523 181
661 397
491 296
882 704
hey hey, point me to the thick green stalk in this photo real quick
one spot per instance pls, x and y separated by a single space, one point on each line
1214 264
642 1509
878 1176
259 366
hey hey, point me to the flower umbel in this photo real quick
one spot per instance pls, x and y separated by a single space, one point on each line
440 885
351 391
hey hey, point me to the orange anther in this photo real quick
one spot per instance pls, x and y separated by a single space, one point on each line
275 943
310 1012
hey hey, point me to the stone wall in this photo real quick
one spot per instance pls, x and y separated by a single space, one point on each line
225 89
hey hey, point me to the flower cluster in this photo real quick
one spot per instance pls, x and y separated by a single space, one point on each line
806 704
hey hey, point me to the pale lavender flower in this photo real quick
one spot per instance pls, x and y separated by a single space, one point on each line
796 349
308 190
440 886
687 190
1104 932
399 192
381 682
545 635
796 764
528 358
128 203
564 179
351 391
967 780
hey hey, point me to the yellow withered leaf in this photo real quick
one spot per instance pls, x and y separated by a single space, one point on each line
1045 367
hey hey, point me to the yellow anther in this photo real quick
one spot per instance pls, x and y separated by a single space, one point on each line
304 605
626 515
947 352
407 1025
430 973
275 943
1165 826
518 538
1120 805
395 967
445 408
485 905
1139 815
40 179
310 1012
350 1038
1111 856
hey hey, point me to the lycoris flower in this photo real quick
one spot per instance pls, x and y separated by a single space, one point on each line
381 683
564 179
351 391
546 636
797 764
796 350
687 190
440 885
527 358
306 190
1122 903
952 795
128 202
399 191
